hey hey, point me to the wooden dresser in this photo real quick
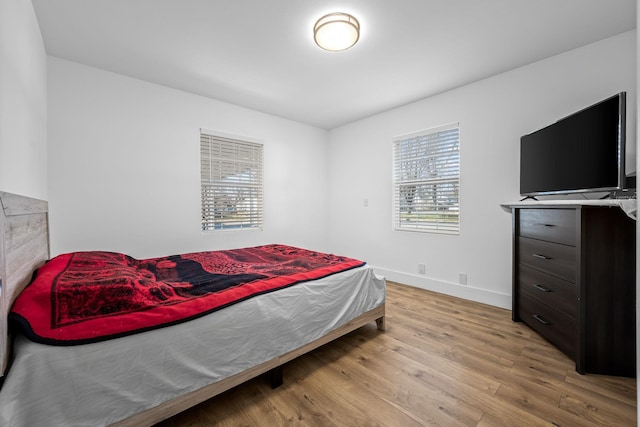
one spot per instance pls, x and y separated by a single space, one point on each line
574 282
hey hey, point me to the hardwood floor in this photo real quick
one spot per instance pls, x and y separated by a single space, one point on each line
442 361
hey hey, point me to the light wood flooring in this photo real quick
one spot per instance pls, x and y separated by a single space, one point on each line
443 361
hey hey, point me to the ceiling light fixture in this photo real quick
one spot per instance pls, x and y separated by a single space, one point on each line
336 31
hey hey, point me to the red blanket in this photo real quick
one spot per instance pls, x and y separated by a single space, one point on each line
86 297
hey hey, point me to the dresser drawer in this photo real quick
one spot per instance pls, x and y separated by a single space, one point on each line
552 225
554 292
552 258
556 328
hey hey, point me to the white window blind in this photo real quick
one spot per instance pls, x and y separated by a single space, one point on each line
426 181
231 183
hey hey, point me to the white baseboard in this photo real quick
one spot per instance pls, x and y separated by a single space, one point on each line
454 289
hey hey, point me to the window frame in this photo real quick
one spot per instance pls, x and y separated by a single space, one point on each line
446 141
249 216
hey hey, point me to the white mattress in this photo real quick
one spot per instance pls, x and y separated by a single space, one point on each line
102 383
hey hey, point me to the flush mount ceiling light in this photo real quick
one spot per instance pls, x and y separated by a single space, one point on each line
336 31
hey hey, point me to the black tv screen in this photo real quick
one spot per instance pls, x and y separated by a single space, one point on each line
583 152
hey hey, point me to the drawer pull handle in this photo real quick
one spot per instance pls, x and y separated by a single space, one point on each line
546 225
541 319
541 288
540 256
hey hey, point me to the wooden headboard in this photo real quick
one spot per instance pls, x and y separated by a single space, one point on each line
24 246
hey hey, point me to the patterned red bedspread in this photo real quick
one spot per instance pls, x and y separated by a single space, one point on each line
85 297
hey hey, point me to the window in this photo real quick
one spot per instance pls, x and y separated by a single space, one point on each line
231 182
426 181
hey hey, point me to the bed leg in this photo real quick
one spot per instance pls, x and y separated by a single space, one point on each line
381 323
275 377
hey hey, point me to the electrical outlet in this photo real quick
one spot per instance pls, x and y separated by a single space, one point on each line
462 278
421 269
366 203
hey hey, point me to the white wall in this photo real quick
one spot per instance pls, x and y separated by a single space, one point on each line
124 167
493 114
23 101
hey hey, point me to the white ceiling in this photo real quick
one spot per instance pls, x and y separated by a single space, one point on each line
260 53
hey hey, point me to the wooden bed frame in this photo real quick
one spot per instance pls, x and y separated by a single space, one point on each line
25 246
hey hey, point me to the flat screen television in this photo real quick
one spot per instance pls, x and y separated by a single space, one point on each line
583 152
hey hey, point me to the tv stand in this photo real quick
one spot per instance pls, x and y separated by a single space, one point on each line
529 198
627 193
574 281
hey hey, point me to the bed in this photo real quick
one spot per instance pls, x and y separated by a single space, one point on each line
143 378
